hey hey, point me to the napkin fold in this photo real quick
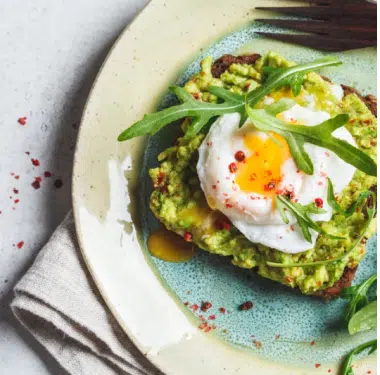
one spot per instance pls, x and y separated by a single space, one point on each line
59 304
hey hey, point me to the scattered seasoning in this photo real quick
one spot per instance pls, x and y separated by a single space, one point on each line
229 205
240 156
327 153
203 325
58 183
222 310
186 303
312 343
17 200
246 306
369 372
35 162
36 183
277 337
22 121
213 187
15 190
318 202
196 96
208 329
288 279
202 318
317 365
225 330
194 307
298 171
258 344
270 186
320 183
47 174
209 143
368 121
292 228
188 237
20 244
212 317
233 167
205 306
17 177
27 152
329 370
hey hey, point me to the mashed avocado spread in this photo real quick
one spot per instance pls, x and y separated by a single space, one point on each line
179 203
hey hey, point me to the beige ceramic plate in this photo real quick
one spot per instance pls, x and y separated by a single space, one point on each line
143 63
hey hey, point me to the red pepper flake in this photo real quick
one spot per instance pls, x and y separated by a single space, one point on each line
209 143
233 167
327 153
320 183
246 306
312 343
212 317
298 171
240 156
15 190
368 121
188 237
229 205
194 307
352 121
277 337
270 186
17 200
205 306
318 202
329 370
22 121
213 187
27 152
292 228
12 174
246 86
36 183
222 310
186 303
369 372
17 177
317 365
288 279
39 179
20 244
35 162
196 96
258 344
208 329
323 174
202 318
47 174
257 154
203 325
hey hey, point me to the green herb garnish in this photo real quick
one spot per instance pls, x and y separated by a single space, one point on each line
371 215
301 213
357 295
364 319
347 369
331 200
319 135
202 112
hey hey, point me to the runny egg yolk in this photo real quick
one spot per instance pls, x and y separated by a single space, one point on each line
261 172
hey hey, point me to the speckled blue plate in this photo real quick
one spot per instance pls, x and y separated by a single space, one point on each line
113 221
291 327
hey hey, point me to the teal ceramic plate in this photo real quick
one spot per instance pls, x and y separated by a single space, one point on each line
297 334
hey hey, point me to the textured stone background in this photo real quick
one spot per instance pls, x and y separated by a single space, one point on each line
50 54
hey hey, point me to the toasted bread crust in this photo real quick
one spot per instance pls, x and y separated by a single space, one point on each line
223 63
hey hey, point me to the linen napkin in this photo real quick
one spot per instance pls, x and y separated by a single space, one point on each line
59 304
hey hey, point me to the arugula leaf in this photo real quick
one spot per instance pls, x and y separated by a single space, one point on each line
319 135
282 77
371 215
301 213
347 369
364 319
331 200
202 112
358 296
294 82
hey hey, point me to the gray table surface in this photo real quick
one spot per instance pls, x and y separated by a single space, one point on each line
50 54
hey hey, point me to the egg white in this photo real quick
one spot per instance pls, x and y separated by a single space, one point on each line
255 218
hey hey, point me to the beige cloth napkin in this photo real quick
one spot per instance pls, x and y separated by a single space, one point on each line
59 304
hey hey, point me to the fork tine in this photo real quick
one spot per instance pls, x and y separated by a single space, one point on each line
339 29
321 42
328 12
